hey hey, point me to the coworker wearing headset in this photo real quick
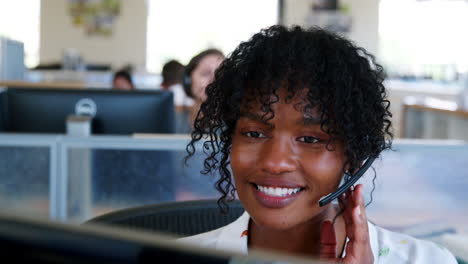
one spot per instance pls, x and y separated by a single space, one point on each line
198 73
288 114
122 80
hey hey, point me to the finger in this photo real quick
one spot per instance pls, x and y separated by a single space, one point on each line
350 198
358 249
359 200
346 204
352 212
327 241
342 201
361 232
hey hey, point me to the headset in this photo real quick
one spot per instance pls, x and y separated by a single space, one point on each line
190 67
187 82
348 183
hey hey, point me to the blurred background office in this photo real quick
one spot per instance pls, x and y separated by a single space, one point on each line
420 43
75 48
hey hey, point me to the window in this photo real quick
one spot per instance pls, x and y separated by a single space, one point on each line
424 37
179 29
19 20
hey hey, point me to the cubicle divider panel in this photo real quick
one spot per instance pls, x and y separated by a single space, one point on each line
28 174
106 173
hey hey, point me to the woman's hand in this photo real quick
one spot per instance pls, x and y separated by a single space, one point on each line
358 249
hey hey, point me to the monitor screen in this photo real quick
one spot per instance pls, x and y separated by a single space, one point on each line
115 112
27 240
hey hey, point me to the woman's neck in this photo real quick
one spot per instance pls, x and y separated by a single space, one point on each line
194 110
303 239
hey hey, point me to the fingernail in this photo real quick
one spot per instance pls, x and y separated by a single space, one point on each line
358 211
343 196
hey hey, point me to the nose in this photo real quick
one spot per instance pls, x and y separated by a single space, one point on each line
277 156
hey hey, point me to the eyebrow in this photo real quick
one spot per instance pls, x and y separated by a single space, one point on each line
255 117
306 121
309 121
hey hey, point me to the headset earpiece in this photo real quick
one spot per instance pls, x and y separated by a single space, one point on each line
352 179
187 83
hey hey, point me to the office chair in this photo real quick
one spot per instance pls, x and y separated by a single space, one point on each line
184 218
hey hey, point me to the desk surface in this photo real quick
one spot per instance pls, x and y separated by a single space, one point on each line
55 84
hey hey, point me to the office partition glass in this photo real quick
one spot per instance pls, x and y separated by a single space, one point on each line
24 181
28 175
101 180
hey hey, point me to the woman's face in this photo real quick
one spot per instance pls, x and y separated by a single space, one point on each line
203 75
282 168
123 84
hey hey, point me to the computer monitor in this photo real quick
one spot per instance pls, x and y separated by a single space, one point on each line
11 59
115 112
27 240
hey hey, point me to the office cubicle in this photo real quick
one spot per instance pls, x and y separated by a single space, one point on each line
71 185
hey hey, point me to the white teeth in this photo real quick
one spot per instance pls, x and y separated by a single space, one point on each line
284 191
271 190
278 192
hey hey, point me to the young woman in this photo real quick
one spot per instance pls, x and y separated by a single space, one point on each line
290 113
122 80
199 72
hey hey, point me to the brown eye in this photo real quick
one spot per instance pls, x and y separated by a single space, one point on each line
308 140
254 134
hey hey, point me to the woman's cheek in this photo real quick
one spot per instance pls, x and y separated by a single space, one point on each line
322 167
243 155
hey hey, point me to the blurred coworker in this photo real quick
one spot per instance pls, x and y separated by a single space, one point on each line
173 74
199 72
122 81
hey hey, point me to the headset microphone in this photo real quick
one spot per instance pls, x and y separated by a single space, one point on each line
354 178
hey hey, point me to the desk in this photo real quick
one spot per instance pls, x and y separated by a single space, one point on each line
54 84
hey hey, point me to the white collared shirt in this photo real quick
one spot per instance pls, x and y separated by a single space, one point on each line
388 247
180 98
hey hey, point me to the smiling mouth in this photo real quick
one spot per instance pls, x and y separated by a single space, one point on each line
277 191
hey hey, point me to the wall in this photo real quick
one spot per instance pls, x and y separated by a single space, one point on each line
126 45
364 13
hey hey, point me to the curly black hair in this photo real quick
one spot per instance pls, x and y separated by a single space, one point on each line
342 81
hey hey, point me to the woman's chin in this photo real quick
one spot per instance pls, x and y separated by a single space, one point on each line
287 218
280 220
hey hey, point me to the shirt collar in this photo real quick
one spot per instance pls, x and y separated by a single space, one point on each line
234 235
373 241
